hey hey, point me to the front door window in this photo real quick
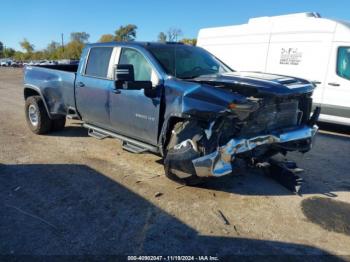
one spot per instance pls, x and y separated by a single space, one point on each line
142 69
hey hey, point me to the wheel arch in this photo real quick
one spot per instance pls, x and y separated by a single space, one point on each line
168 126
30 90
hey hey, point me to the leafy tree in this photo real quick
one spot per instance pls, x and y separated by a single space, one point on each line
39 55
1 49
126 33
8 52
81 37
53 51
174 34
52 47
162 37
189 41
27 46
19 56
73 49
106 38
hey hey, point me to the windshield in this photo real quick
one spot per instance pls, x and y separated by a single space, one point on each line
186 62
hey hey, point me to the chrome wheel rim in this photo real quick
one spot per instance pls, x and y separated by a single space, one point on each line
33 115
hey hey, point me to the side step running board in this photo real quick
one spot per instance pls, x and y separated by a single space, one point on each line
133 148
96 134
75 117
129 144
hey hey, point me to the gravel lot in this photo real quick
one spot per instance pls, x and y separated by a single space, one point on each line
67 193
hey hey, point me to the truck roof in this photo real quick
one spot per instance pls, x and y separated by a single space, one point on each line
133 43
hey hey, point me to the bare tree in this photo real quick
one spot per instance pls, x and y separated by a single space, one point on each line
81 37
52 47
162 37
174 33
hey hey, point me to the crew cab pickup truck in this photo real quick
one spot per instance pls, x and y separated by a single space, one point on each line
175 100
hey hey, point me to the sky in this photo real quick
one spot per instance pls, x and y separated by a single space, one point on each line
43 21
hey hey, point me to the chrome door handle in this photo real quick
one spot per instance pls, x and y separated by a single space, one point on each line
80 84
333 84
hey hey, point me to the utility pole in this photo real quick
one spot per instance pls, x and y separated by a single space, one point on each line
62 42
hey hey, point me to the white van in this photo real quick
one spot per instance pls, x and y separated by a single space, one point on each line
302 45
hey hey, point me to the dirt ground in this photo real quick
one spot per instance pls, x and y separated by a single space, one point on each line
67 193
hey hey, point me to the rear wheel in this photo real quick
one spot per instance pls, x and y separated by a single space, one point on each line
36 115
181 150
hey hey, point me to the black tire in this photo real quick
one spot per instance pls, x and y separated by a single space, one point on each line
43 123
178 161
58 124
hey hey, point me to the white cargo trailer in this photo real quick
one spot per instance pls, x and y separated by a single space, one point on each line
302 45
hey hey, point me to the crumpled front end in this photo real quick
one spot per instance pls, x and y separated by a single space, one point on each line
252 124
220 162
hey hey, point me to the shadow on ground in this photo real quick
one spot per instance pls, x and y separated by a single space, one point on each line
326 179
73 209
330 214
75 130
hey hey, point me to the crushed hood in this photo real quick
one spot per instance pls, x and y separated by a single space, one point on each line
261 83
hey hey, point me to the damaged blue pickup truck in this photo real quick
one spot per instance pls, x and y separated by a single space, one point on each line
178 101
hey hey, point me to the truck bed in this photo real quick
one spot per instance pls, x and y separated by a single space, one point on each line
67 68
56 85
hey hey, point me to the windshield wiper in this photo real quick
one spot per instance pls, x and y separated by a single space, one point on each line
190 77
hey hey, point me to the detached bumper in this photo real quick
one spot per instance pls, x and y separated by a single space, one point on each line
219 162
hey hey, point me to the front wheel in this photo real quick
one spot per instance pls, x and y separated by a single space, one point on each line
181 150
36 115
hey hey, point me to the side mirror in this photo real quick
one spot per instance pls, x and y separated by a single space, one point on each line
149 90
124 78
124 73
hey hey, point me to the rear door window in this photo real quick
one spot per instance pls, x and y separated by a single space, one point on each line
98 62
343 62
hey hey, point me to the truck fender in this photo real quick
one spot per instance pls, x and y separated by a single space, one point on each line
168 126
31 90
